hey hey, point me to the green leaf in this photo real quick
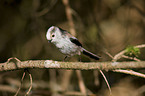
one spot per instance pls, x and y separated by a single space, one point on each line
132 51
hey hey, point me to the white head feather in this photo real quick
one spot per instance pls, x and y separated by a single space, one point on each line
53 33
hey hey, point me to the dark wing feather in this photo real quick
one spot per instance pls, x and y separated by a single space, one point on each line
75 41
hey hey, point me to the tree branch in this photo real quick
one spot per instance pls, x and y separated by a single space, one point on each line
8 66
131 72
120 54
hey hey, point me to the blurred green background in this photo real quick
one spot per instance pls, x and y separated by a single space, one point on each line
101 25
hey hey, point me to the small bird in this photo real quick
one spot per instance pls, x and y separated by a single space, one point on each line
66 43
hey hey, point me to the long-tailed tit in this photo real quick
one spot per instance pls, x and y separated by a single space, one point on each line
66 43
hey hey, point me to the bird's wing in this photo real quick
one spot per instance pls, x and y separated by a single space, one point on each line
75 41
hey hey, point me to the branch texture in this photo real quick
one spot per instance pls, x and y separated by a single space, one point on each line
8 66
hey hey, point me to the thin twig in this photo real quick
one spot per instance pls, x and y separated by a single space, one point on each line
106 82
20 84
105 76
132 58
120 54
140 46
130 72
109 54
13 58
30 83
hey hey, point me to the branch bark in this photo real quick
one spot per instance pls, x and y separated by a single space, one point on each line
8 66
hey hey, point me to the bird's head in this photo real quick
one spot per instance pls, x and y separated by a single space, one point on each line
54 33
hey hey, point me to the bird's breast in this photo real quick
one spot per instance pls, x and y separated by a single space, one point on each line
68 48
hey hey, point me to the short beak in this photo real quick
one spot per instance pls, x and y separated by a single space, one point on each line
49 41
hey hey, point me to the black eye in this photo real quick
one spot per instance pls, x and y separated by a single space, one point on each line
53 35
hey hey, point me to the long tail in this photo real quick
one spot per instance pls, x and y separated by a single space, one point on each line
91 55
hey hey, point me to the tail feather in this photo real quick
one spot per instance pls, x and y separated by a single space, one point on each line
91 55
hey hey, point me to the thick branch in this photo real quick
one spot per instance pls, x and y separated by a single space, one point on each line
8 66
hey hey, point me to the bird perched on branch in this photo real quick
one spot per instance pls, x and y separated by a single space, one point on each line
66 43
